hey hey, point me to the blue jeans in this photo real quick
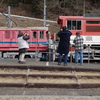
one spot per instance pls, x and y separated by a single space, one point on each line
51 55
65 58
80 54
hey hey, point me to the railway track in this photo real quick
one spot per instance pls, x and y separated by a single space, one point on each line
49 77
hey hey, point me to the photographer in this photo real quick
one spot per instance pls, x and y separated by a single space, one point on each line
63 47
22 45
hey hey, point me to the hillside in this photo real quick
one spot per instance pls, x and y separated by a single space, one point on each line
25 22
53 10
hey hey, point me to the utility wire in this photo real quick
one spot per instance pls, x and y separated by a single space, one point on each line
9 18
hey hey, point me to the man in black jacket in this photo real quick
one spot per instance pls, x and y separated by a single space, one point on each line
63 47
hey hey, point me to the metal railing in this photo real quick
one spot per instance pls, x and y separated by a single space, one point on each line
88 54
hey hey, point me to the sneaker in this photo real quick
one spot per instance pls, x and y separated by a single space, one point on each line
59 63
18 61
22 62
81 64
65 64
76 63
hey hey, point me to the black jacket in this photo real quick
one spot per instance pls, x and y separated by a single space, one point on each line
63 47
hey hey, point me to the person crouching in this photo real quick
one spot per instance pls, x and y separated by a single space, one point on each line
22 46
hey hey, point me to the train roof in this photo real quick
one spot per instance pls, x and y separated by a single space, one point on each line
63 18
24 28
77 17
38 28
91 15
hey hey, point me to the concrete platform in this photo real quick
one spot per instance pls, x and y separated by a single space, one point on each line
47 91
46 63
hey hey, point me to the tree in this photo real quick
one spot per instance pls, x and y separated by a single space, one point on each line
1 1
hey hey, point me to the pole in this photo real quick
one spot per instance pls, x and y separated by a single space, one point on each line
9 21
84 8
44 13
88 54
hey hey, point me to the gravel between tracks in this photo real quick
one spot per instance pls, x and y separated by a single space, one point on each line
12 79
49 98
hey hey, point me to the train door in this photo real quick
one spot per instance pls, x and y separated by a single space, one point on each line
42 40
29 40
1 39
13 39
7 39
34 40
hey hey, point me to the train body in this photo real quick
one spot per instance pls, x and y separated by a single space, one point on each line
8 39
89 27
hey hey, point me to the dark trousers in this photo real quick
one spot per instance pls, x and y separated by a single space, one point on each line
23 50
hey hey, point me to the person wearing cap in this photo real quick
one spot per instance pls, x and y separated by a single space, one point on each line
22 46
78 41
64 43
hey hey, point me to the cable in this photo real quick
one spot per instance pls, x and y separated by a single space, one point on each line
9 18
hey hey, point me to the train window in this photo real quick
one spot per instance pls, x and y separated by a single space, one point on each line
78 25
93 22
7 34
74 24
41 34
34 34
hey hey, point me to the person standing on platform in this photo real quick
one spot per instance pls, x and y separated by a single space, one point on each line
78 40
64 43
50 46
22 46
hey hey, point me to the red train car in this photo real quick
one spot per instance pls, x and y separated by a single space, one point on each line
89 27
8 39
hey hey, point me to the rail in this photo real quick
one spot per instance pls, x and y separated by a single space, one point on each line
36 80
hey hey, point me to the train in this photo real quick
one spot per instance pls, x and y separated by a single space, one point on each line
9 45
89 27
38 44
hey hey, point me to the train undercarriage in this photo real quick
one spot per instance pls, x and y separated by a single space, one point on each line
89 53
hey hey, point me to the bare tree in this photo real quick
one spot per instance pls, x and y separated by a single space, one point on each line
1 2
